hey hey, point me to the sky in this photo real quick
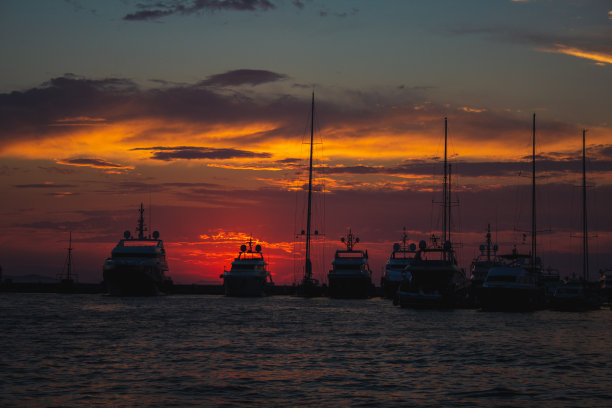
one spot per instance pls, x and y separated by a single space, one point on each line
200 110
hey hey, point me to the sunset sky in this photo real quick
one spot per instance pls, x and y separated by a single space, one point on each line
200 110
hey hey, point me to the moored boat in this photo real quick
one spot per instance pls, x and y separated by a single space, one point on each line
137 266
434 279
517 285
395 269
605 285
576 295
248 276
480 266
579 294
350 276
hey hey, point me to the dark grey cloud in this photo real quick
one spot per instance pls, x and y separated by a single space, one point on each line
243 77
46 111
151 10
91 162
195 153
477 169
43 185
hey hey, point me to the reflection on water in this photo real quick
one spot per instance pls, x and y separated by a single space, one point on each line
91 350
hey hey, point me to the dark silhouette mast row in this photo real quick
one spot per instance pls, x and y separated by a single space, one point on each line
69 259
533 199
308 263
444 188
585 238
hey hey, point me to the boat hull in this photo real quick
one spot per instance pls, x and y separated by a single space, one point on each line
433 285
309 289
350 286
510 299
136 281
245 286
390 288
420 300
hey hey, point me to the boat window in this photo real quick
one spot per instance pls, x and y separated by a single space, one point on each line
347 267
135 255
501 278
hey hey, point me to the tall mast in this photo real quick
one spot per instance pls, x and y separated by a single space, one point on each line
585 238
141 227
69 259
488 242
308 264
444 186
533 199
450 172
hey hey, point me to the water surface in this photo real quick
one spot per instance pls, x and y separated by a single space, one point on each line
93 350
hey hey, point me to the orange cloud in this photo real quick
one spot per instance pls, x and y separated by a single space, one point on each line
599 57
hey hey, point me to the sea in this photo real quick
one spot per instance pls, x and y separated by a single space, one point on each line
71 350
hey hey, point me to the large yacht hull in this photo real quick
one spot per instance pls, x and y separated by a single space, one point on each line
349 286
433 285
135 281
245 286
511 299
572 297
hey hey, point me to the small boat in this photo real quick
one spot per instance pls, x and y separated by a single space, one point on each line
605 285
350 276
576 295
66 278
395 269
248 276
309 286
137 266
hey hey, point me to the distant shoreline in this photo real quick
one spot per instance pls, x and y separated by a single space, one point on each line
98 288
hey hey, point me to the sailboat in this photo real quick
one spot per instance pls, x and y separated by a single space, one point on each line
309 286
434 278
66 283
517 285
579 294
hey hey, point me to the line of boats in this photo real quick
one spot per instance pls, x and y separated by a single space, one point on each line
423 275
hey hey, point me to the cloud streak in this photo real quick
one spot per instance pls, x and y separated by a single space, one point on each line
199 153
94 163
593 45
243 77
152 10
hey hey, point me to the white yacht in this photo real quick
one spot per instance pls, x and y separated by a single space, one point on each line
513 287
395 269
350 276
248 275
434 279
137 266
517 285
